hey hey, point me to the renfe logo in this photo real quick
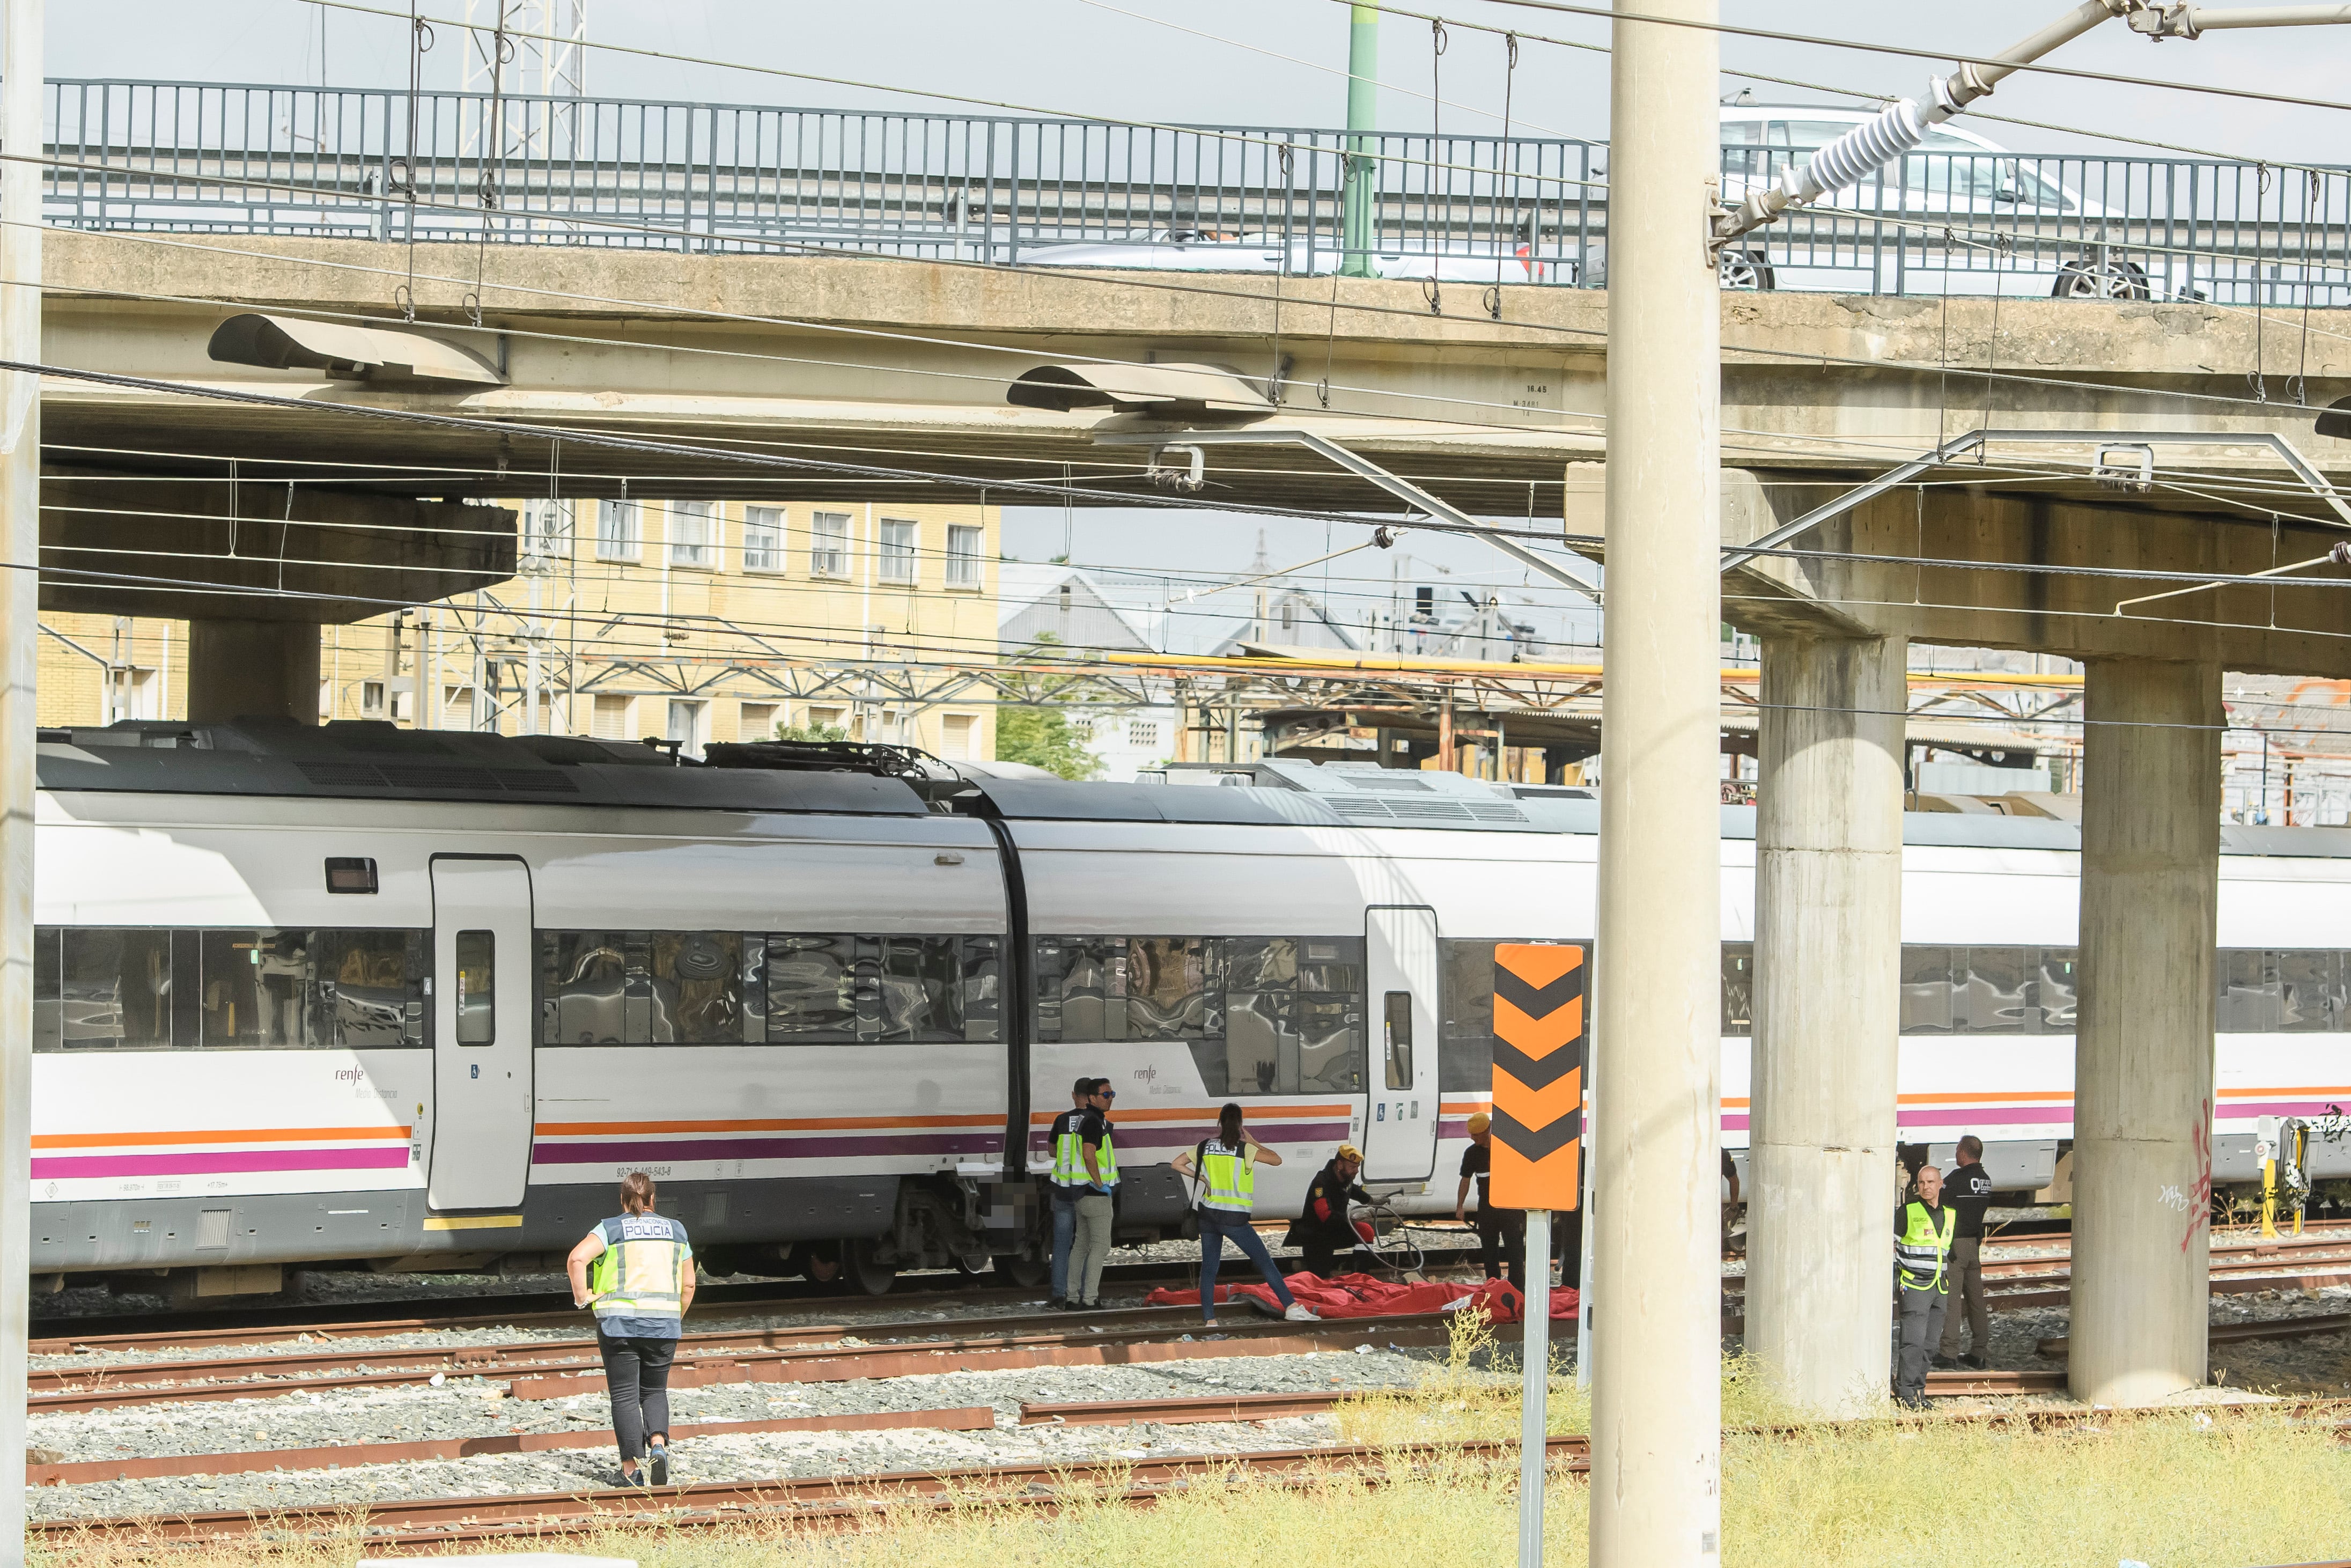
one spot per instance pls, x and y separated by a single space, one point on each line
350 1074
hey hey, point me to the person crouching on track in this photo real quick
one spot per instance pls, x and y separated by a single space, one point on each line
1322 1230
638 1271
1225 1168
1922 1279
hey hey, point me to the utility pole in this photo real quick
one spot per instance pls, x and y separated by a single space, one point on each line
21 83
1657 1412
1359 203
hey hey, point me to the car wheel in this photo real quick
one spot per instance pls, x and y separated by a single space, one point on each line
2110 279
1746 269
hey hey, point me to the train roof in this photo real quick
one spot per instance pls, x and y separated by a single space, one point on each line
372 760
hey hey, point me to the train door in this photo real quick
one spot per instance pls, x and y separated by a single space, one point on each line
1400 1088
481 1031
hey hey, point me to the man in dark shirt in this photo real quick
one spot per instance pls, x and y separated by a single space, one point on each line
1501 1232
1967 1192
1065 1185
1322 1229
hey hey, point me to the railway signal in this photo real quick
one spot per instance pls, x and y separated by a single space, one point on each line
1538 1060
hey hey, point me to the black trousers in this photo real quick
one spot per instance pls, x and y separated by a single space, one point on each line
636 1371
1502 1243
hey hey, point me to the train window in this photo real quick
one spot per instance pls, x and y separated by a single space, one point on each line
1738 988
811 988
1260 1052
49 1003
477 987
369 991
1988 993
257 989
1330 1044
2056 989
582 988
2312 991
697 986
1081 988
147 989
981 993
2252 997
1464 1041
115 990
1397 1025
1926 990
918 989
1166 988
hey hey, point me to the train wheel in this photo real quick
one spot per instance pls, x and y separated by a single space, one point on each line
1024 1273
864 1271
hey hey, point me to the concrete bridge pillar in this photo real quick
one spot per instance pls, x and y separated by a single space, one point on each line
258 669
1827 1019
2143 1049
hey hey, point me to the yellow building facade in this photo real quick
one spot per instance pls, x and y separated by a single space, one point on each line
691 622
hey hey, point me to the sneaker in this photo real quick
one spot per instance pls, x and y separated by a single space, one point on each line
1054 1303
1300 1312
658 1462
635 1478
1975 1363
1946 1363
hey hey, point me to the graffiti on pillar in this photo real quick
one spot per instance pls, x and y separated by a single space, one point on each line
2199 1209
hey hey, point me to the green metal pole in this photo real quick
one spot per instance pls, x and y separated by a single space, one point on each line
1360 203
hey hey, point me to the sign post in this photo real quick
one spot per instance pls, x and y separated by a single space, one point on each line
1538 1151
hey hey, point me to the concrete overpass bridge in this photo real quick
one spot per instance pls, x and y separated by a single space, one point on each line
819 378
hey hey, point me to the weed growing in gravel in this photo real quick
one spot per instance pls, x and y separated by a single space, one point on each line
2167 1490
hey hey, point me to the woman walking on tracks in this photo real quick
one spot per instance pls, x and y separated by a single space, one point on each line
638 1271
1224 1166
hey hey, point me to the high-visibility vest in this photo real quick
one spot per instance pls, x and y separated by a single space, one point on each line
1070 1158
1920 1249
1230 1181
641 1275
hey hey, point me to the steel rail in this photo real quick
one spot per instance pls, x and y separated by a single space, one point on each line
572 1371
442 1520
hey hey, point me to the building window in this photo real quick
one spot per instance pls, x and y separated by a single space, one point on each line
897 550
617 530
457 707
611 718
963 556
546 531
955 732
828 724
1143 733
688 725
691 528
756 722
372 699
829 545
763 538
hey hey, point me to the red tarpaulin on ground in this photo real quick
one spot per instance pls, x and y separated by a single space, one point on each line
1362 1296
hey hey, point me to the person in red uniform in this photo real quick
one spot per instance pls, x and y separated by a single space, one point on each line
1322 1229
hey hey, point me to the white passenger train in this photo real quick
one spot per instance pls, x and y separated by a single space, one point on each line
352 993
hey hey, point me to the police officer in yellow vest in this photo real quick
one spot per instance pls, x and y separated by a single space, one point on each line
1922 1282
1085 1176
1226 1168
638 1271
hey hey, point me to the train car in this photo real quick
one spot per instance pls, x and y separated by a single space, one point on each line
354 996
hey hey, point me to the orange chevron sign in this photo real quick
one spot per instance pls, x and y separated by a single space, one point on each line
1538 1051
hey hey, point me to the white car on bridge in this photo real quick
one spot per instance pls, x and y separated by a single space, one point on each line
1962 215
1203 246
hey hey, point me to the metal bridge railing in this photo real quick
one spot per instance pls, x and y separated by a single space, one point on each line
387 164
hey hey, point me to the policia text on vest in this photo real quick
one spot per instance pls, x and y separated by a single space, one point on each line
637 1270
1922 1283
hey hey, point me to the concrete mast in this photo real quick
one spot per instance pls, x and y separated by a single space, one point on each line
21 84
1656 1383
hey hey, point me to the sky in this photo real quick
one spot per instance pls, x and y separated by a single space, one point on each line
1277 62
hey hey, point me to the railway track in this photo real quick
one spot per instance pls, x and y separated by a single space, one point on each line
808 1502
550 1369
